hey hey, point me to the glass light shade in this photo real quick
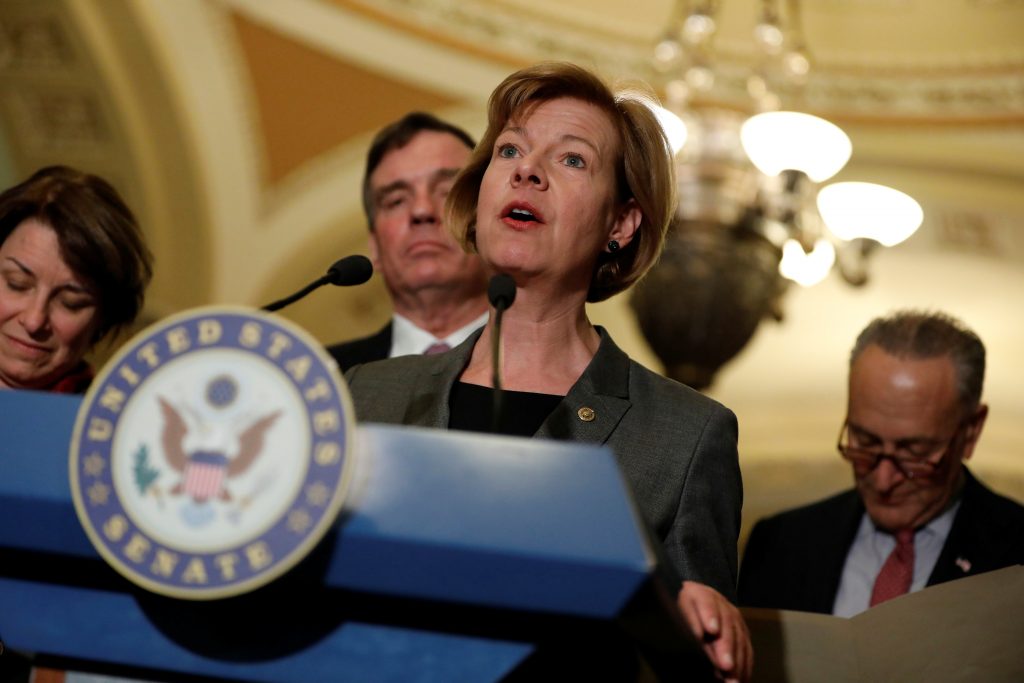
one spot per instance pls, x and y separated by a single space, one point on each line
803 268
851 210
778 141
674 127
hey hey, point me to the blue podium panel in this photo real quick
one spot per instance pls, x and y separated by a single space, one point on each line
489 520
501 524
35 430
109 627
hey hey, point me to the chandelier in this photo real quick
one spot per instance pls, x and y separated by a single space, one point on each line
754 212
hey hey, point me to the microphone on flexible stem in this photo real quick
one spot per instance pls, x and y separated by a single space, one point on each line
351 270
501 292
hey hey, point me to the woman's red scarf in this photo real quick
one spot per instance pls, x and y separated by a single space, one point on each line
75 382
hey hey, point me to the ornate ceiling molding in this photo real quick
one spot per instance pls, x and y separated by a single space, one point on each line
854 76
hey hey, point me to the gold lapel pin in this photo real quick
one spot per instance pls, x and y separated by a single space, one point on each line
586 414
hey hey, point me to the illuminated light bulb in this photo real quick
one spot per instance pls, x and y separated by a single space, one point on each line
769 37
757 87
700 78
667 54
796 64
806 269
674 127
697 28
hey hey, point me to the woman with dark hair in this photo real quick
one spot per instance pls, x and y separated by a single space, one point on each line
73 269
570 193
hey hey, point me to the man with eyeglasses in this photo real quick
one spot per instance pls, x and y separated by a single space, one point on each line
916 516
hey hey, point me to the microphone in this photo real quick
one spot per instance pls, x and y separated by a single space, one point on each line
348 271
351 270
501 291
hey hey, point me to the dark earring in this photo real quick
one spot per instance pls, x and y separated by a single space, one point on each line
613 246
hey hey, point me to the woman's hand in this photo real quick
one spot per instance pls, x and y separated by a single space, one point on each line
718 624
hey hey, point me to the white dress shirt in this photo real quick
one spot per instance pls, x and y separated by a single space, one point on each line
869 551
407 339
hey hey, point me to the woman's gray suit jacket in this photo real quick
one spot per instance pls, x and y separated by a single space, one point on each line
675 447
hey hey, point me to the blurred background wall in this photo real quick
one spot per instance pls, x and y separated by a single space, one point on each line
237 130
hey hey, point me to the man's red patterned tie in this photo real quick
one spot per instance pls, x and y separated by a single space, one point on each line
898 571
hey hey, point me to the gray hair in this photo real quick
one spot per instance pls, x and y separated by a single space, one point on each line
922 335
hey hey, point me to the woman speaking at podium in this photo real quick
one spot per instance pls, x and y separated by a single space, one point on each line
570 193
73 268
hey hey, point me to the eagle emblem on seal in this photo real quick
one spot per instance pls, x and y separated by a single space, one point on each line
205 471
208 453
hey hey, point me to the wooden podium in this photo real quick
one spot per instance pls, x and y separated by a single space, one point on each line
457 557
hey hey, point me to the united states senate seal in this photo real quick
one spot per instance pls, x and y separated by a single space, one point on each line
212 453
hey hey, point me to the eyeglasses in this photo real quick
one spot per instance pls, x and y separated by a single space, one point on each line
913 458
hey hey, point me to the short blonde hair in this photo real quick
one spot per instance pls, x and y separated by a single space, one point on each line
644 169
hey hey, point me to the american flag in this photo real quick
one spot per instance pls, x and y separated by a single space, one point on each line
204 474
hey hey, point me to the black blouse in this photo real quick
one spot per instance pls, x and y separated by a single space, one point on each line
522 412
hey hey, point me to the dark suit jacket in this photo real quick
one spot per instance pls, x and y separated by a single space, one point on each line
363 350
676 447
794 560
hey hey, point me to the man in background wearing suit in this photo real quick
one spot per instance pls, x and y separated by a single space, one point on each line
917 516
437 290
